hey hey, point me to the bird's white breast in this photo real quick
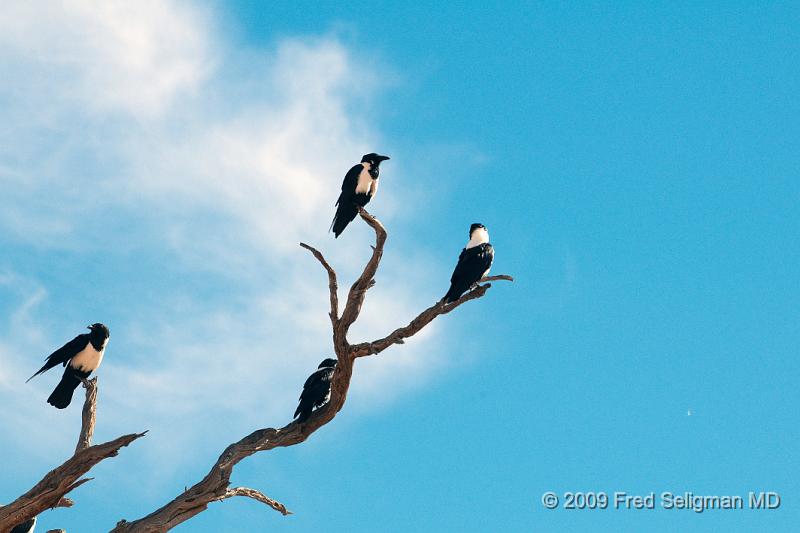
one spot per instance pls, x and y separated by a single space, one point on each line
365 180
88 359
478 237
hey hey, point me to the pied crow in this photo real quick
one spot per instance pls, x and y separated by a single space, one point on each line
359 186
81 356
473 263
316 390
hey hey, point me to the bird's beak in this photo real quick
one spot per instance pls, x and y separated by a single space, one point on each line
382 158
88 327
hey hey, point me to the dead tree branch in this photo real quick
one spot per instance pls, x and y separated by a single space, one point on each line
399 335
214 486
499 277
333 286
355 298
88 415
50 491
256 495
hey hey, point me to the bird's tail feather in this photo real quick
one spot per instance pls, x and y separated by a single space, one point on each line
62 395
345 214
303 411
453 294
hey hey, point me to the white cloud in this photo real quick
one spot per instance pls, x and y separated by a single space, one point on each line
132 124
108 56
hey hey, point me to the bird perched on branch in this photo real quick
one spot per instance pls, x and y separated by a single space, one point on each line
359 186
25 527
81 356
473 263
316 390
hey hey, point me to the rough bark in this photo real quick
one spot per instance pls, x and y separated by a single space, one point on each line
88 415
256 495
214 486
50 491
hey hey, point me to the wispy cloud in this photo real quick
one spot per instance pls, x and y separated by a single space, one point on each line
95 58
133 135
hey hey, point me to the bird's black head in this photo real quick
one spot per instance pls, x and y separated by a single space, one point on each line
475 226
99 330
374 159
327 363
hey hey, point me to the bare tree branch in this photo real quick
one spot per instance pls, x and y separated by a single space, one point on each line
332 284
49 492
65 502
499 277
88 415
214 486
256 495
355 297
399 335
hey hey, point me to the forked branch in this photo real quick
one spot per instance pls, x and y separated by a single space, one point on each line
215 485
49 492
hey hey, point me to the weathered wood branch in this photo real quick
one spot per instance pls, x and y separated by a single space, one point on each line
499 277
355 298
333 286
399 335
65 502
50 491
215 485
257 495
88 415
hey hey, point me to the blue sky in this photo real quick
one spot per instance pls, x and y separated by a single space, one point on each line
636 166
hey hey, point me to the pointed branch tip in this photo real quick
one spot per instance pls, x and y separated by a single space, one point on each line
258 496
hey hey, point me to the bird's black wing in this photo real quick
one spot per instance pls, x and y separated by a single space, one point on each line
349 183
346 209
486 257
64 354
315 391
472 265
316 382
474 262
459 265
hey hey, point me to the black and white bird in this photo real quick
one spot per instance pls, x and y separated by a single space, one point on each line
316 390
81 356
473 263
359 186
25 527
